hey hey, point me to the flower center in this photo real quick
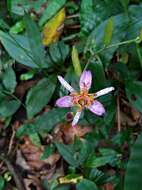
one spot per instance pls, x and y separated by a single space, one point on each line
82 99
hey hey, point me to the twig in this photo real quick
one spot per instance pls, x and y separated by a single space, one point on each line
72 16
118 115
11 142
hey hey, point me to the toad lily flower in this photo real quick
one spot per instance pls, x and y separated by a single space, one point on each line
82 99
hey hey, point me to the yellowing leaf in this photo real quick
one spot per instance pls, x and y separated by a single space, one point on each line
71 178
75 61
53 28
108 32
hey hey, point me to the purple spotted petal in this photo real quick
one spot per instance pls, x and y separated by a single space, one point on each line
97 108
65 101
76 118
85 80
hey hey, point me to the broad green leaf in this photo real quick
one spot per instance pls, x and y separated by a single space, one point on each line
134 168
52 8
2 183
67 153
8 108
125 4
134 93
75 155
108 32
19 7
13 6
18 48
9 79
45 122
25 129
35 41
98 72
86 15
135 22
94 162
120 25
75 61
58 52
53 28
3 24
86 184
95 12
39 95
62 187
108 157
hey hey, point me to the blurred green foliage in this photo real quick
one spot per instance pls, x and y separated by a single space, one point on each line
102 36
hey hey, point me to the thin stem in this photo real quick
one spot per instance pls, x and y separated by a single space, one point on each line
68 38
117 44
72 16
95 54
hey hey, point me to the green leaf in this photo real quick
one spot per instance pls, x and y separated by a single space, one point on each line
48 151
14 8
18 48
25 129
35 139
75 61
134 168
134 93
35 41
2 183
98 72
63 187
39 95
45 122
9 79
125 4
27 76
109 156
74 154
8 108
67 153
58 52
18 27
120 25
86 184
94 162
3 24
86 15
52 8
108 32
94 13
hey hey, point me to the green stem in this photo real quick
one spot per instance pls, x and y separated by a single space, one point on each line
68 38
95 54
117 44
